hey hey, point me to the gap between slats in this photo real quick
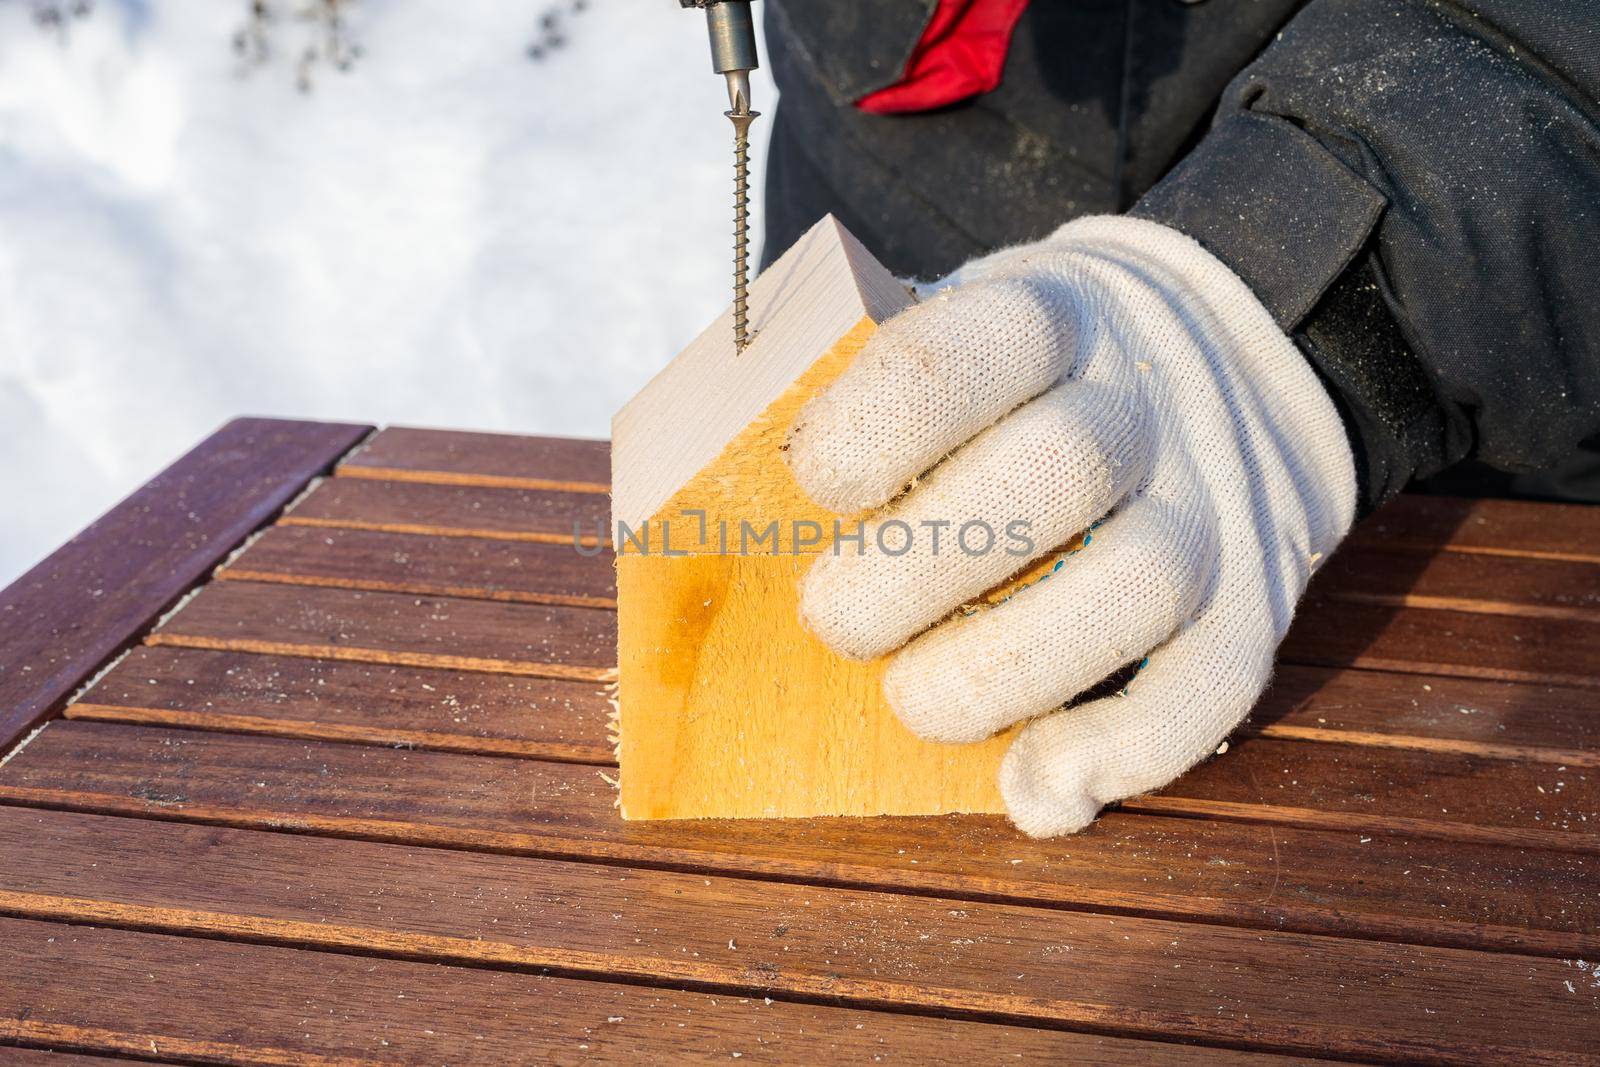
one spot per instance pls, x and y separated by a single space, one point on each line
1416 743
1293 653
1472 606
98 1045
40 1052
1149 804
1486 550
1464 605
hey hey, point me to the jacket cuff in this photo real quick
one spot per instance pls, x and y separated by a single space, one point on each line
1270 201
1278 207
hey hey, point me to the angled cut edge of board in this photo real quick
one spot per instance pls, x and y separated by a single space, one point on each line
729 708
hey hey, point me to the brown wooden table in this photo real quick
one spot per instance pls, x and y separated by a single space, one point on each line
350 802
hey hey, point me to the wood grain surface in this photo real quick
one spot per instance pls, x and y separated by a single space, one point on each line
441 457
1427 713
1144 977
1464 644
212 1001
474 567
1362 611
354 803
498 713
455 511
1507 528
1465 581
368 703
394 628
1437 888
64 618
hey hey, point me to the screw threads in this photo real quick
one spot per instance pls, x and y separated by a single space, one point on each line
741 227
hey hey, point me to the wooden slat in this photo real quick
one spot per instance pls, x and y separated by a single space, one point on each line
1491 527
93 596
486 459
454 510
499 714
1428 792
1427 713
529 639
1338 633
1408 888
286 696
1458 581
193 999
1152 978
473 567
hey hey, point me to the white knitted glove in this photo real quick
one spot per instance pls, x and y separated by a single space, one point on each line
1115 371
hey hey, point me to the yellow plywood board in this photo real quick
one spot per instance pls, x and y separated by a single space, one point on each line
729 707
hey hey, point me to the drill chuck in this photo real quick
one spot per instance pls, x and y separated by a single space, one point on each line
732 29
733 36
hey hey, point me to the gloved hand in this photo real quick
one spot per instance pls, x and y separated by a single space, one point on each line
1115 371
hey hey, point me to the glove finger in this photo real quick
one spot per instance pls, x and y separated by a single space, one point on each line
1142 576
931 378
1019 489
1063 768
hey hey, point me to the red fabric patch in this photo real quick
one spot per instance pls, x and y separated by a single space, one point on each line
962 53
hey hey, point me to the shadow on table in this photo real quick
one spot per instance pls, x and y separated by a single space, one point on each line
1356 612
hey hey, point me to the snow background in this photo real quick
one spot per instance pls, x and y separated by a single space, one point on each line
448 234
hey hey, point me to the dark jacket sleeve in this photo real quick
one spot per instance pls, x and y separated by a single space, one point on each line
1413 190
